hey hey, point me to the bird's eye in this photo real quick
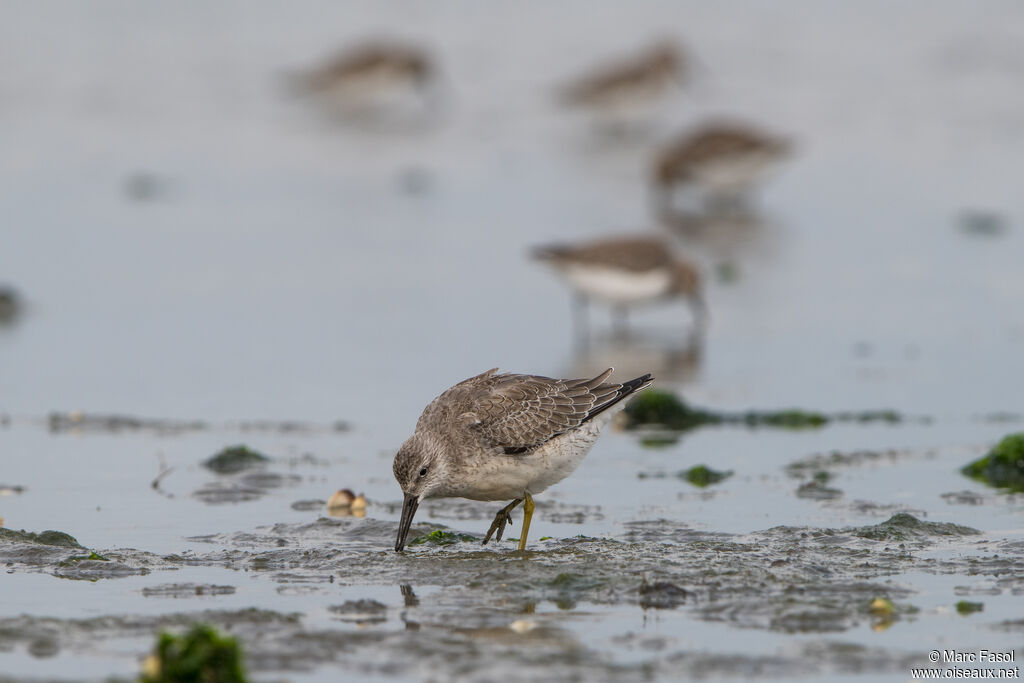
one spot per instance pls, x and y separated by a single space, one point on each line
423 472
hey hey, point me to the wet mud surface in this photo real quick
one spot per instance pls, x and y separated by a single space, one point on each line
478 606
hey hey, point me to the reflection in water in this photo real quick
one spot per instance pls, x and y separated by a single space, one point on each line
409 596
410 599
724 235
675 361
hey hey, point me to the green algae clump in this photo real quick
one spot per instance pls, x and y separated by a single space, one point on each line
655 407
235 459
906 527
1003 466
786 419
965 607
440 537
702 475
93 556
200 655
49 537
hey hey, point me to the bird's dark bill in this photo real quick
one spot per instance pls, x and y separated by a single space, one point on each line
408 511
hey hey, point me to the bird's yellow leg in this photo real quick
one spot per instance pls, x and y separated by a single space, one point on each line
527 516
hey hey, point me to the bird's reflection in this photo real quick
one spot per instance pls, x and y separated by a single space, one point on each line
672 360
723 236
409 596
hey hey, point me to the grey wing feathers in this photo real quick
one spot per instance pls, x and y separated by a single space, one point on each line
517 413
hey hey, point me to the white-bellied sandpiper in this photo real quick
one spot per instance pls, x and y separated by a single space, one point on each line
504 437
625 271
722 160
369 78
630 87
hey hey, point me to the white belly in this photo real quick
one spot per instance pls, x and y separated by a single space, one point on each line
617 286
381 88
635 99
507 477
733 174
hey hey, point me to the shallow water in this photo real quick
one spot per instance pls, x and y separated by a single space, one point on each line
192 244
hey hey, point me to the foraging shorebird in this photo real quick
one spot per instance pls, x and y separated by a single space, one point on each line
624 272
722 159
504 436
636 82
369 76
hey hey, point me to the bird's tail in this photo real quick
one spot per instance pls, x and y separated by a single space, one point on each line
619 392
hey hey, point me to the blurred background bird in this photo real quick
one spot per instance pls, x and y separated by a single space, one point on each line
371 80
720 160
622 93
623 272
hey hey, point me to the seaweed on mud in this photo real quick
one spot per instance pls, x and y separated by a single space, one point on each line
235 459
93 556
905 527
441 537
815 490
966 607
659 439
656 408
700 476
201 654
703 476
819 464
663 408
1003 466
49 537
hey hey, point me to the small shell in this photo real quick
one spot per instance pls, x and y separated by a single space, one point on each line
523 625
342 498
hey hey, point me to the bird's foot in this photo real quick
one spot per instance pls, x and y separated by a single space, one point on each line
503 517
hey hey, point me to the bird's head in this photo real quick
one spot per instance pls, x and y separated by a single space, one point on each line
420 471
665 58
